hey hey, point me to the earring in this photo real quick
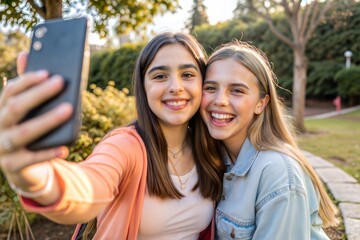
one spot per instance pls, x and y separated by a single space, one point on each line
258 110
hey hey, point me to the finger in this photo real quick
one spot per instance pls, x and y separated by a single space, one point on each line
19 105
21 62
25 133
22 83
16 161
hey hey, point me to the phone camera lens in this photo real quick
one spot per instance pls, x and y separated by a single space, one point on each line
37 46
40 32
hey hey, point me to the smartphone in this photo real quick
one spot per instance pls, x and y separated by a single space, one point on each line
60 47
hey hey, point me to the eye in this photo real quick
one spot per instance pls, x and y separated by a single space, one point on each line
188 75
209 88
159 76
237 91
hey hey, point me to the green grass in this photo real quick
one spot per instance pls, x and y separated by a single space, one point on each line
335 139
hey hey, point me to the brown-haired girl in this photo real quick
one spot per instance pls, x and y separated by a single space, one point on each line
155 179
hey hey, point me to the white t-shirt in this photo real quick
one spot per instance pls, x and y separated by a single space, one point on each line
176 218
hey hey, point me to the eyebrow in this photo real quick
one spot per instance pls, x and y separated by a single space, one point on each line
189 65
166 68
240 85
162 67
232 84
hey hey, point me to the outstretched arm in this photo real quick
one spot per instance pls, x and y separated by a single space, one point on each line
29 171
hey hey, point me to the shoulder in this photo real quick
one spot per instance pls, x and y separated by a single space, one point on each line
272 161
278 163
279 175
123 144
124 138
279 171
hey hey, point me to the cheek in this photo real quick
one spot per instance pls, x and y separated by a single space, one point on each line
196 87
197 91
203 106
204 100
152 90
246 107
152 97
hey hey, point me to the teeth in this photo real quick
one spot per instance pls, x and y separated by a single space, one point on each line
221 116
177 103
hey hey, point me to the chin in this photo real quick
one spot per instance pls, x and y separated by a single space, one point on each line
218 135
177 122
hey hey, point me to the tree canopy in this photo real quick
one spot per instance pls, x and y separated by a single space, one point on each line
303 17
129 14
198 15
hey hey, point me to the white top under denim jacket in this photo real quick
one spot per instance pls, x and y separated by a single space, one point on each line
267 195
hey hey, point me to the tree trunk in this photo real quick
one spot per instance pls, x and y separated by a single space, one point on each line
299 87
53 9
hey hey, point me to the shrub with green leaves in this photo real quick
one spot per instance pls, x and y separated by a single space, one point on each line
321 83
114 65
103 110
349 84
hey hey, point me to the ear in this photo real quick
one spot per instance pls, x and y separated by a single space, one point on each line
262 104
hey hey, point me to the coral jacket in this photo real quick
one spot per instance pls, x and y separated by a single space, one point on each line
109 185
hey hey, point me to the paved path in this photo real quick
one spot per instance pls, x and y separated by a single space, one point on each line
334 113
342 186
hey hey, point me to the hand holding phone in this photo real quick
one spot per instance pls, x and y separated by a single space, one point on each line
60 47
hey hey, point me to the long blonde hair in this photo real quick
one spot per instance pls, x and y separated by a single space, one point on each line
272 129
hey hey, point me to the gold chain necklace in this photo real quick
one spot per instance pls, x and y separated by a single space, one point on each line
175 154
175 162
182 184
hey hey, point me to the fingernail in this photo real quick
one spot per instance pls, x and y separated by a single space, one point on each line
42 73
58 152
64 108
61 152
56 79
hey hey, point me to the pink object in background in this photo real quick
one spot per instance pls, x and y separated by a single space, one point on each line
337 103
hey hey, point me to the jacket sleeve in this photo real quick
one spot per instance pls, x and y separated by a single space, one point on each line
285 216
282 207
90 186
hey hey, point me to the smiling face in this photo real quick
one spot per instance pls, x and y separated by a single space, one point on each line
173 85
230 101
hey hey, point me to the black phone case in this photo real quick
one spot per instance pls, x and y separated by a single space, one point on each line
60 46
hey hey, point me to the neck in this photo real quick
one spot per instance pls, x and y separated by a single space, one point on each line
175 136
233 148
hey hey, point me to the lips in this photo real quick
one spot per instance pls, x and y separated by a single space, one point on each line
175 103
221 119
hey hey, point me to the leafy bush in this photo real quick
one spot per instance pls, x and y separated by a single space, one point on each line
103 110
349 84
321 83
114 65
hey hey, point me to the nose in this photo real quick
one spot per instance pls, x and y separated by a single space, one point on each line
175 85
221 99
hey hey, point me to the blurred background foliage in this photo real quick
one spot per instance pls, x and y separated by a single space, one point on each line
338 33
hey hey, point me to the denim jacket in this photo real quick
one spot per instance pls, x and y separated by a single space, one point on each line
267 195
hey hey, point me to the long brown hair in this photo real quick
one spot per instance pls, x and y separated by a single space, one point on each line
207 159
272 129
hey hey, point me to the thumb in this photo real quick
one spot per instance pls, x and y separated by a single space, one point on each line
21 62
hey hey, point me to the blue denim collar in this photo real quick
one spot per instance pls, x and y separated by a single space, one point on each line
244 161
